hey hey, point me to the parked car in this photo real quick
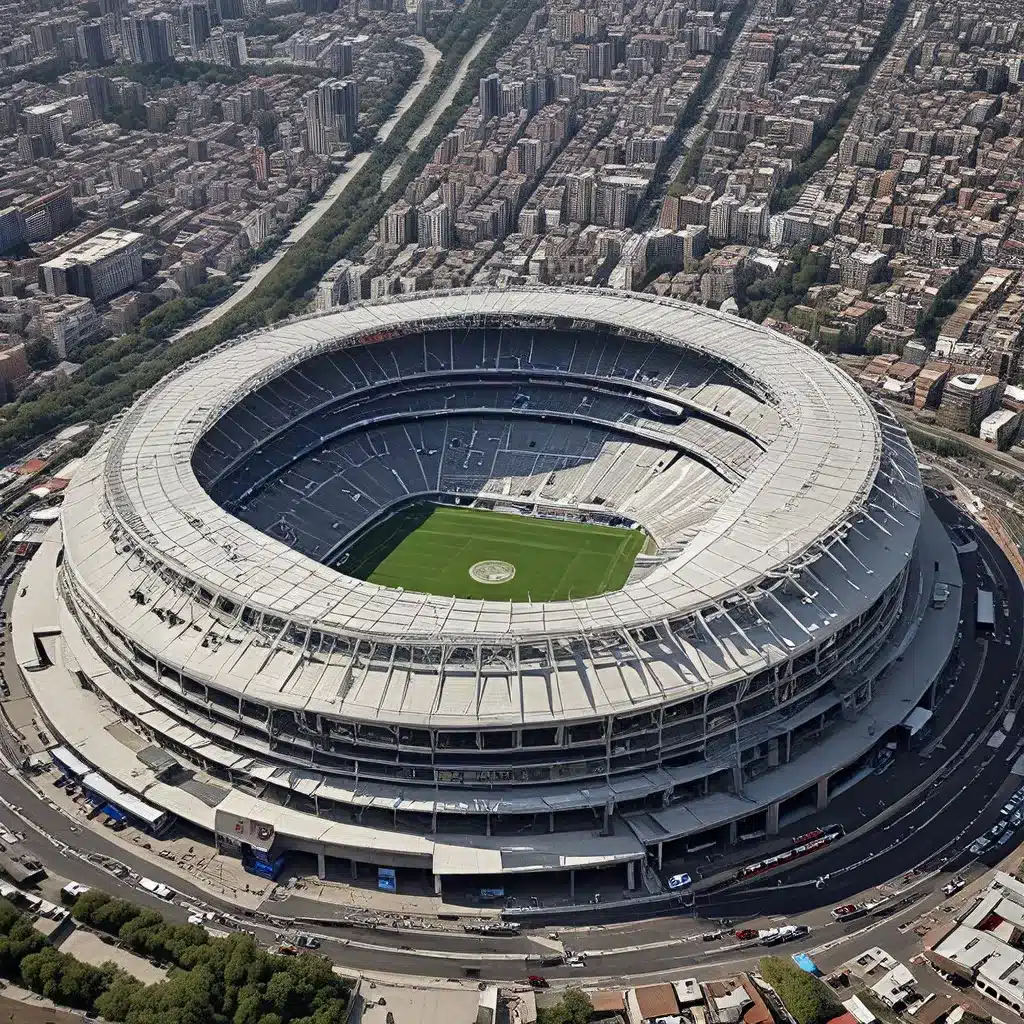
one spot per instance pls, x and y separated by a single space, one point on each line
536 981
844 912
680 881
954 886
746 934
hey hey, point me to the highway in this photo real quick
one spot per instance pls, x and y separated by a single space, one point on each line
930 834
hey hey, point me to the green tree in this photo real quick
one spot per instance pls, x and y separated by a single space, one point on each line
41 354
117 1002
809 1000
573 1008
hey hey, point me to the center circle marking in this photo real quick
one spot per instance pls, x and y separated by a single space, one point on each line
492 571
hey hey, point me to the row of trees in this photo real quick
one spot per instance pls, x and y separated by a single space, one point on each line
714 70
118 370
376 106
26 957
210 980
826 142
168 73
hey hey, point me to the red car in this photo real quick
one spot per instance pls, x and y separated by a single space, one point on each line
745 934
536 981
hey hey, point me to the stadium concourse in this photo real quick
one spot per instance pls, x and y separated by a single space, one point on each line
206 625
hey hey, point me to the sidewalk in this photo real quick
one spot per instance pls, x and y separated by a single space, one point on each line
21 1006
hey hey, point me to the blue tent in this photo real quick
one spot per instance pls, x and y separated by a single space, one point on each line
114 812
805 963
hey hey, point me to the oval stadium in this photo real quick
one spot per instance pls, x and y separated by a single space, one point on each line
483 584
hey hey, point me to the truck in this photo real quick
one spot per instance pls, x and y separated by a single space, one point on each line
986 615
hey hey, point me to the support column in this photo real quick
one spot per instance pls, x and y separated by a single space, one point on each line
631 875
661 853
551 821
929 700
437 885
822 797
789 746
734 832
321 866
488 823
772 823
355 869
572 884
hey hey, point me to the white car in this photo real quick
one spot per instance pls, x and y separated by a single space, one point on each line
954 886
680 881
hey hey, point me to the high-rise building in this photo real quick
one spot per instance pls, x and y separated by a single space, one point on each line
398 225
195 17
332 114
99 268
227 48
93 43
260 163
579 196
513 97
337 57
490 97
48 215
96 87
720 219
149 39
333 288
434 226
421 17
12 228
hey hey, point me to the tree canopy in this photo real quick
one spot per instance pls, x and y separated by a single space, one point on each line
573 1008
809 1000
210 980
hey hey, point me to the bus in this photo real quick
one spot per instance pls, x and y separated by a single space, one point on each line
801 848
986 611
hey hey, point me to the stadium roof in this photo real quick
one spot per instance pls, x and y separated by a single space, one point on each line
818 470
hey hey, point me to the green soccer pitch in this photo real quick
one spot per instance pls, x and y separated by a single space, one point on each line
454 552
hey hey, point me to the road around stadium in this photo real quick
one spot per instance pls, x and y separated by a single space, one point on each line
958 783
